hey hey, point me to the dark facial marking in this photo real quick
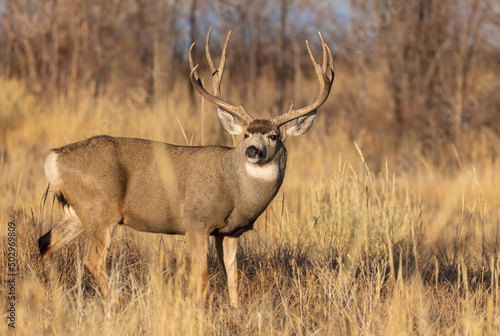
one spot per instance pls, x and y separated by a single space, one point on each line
261 126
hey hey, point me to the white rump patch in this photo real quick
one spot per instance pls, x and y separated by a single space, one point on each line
51 170
268 172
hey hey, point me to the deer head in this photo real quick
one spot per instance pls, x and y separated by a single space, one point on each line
262 137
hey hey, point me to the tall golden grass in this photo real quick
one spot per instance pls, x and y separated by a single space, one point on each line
345 248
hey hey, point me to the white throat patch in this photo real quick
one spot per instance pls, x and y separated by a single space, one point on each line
268 172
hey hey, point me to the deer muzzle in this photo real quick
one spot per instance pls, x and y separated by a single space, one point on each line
255 154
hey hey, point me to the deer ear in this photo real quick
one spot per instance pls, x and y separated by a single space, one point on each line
231 123
300 125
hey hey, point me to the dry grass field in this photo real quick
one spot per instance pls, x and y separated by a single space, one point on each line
352 244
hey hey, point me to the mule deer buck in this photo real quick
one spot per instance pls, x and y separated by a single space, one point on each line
157 187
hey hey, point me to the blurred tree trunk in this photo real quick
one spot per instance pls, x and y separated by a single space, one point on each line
7 62
254 51
74 60
147 49
9 46
192 37
243 49
280 66
54 50
360 14
466 30
26 44
297 71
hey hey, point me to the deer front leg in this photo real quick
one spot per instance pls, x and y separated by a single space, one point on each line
226 251
198 247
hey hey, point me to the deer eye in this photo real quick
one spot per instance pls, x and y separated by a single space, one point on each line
273 137
246 135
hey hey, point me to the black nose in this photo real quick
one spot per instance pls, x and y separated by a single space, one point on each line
252 152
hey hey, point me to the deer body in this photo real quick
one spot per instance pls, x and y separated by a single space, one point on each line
157 187
143 191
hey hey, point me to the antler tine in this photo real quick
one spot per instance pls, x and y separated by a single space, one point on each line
217 73
223 57
331 65
207 52
324 81
216 77
325 57
191 63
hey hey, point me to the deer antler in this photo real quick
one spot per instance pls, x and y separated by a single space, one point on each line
325 86
217 79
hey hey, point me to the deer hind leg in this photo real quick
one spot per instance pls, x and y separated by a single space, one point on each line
226 251
97 250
